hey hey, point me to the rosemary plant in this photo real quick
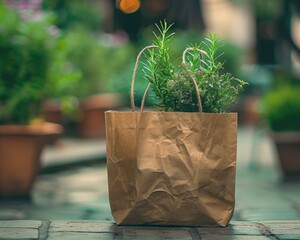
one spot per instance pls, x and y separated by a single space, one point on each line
175 86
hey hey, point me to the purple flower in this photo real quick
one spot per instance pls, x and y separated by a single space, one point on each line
28 9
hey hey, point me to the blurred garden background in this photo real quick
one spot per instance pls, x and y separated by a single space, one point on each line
78 50
67 62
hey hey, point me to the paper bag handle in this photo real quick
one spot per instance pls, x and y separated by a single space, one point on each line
133 79
148 86
194 81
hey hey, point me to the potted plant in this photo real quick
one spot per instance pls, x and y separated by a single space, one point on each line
281 111
98 62
26 53
60 103
176 166
78 20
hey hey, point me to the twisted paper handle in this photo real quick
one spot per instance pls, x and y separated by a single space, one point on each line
133 80
193 79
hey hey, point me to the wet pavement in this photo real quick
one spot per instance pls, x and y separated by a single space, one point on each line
77 190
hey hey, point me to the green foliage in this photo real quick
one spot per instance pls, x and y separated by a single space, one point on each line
281 108
173 86
267 9
231 57
31 66
24 62
97 62
72 13
158 70
63 79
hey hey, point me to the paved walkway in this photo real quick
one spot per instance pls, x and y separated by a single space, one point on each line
72 202
69 152
92 230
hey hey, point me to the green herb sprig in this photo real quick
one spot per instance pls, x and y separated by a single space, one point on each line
158 69
174 86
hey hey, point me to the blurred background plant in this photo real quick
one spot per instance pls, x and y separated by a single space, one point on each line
96 59
76 13
30 66
280 106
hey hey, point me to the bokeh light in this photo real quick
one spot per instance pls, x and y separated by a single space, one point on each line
128 6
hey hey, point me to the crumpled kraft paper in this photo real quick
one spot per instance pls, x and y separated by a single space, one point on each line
171 168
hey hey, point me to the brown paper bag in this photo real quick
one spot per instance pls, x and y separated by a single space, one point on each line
171 168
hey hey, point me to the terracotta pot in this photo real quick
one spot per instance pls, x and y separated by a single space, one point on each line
92 122
247 109
52 111
251 114
288 148
20 151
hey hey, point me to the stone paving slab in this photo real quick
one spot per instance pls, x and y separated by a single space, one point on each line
234 228
236 237
20 229
283 229
19 233
90 230
79 236
21 224
81 226
137 232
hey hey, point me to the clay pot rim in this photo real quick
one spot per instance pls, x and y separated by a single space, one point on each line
102 101
45 128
